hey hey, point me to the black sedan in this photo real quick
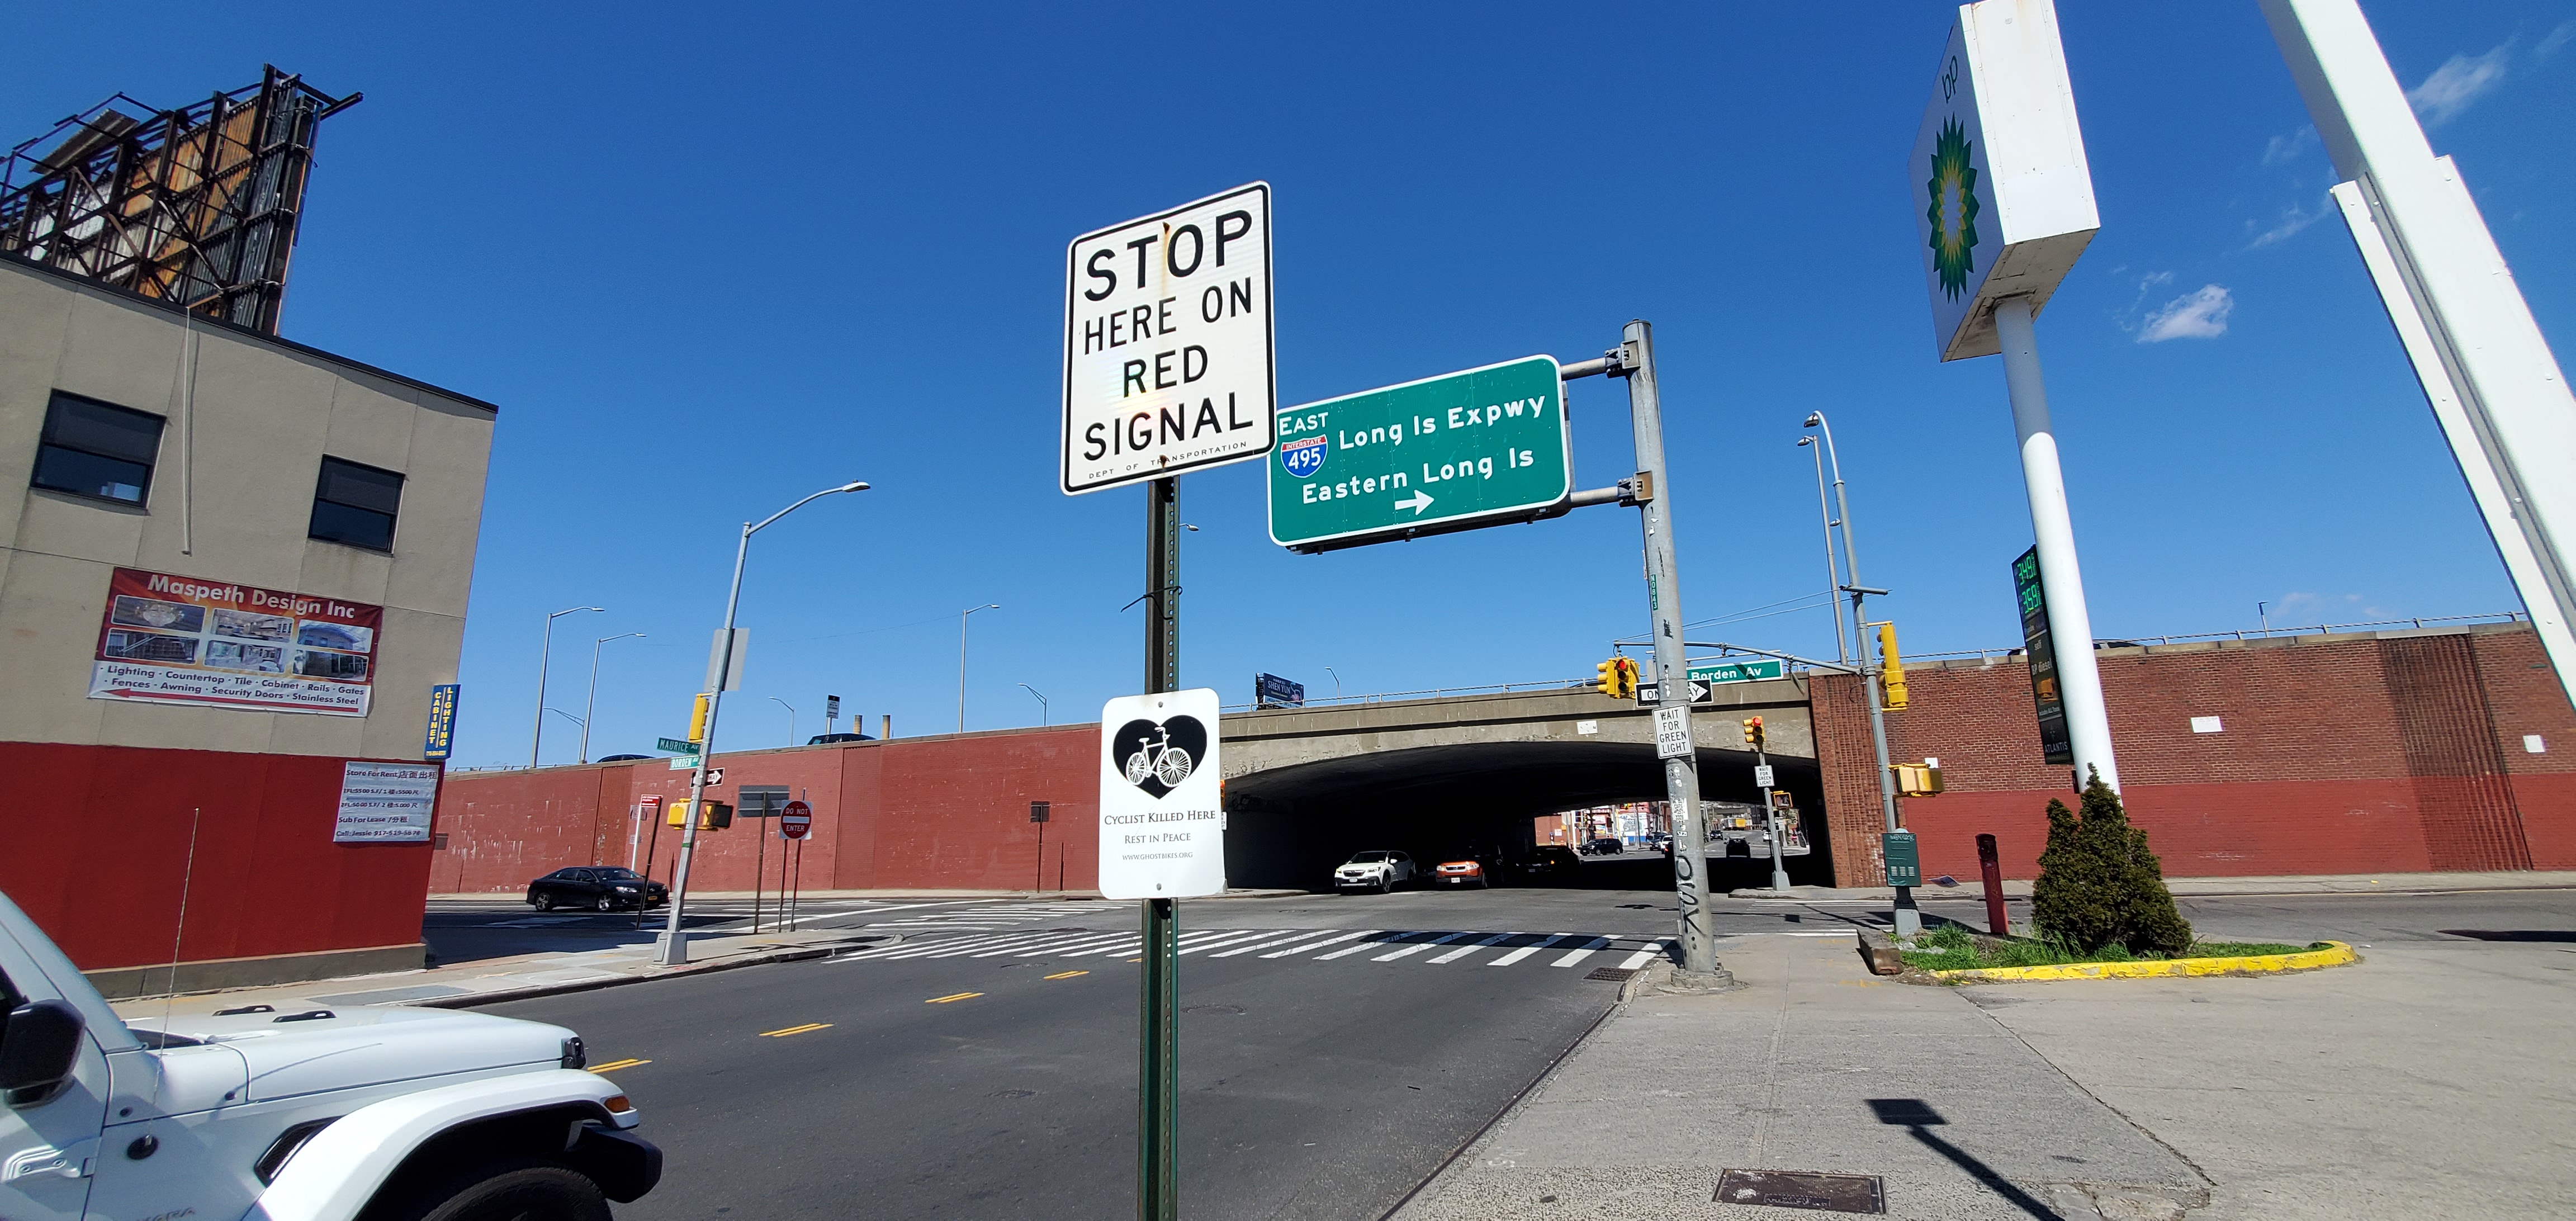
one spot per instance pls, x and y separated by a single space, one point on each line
1549 863
596 887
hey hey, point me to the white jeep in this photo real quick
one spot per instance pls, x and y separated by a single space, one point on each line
1377 870
373 1115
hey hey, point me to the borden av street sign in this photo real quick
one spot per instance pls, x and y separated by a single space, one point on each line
1167 343
1454 452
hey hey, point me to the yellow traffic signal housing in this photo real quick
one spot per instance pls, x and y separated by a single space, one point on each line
1918 779
1627 679
1753 736
1891 668
1605 678
698 724
719 815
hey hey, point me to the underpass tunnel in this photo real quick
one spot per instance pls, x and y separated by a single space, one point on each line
1289 826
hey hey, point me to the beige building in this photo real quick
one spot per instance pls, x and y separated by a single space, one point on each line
232 565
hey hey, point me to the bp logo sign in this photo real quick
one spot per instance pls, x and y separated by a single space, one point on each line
1953 210
1303 458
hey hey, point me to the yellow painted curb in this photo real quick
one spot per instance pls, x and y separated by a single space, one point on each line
2337 954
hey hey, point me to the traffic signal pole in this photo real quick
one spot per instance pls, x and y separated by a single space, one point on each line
1651 492
1158 1086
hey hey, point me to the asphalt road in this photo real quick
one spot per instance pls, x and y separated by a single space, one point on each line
1335 1049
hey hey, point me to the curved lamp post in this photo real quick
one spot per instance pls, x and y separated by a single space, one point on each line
544 656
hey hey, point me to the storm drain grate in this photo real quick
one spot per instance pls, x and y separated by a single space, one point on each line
1616 975
1832 1193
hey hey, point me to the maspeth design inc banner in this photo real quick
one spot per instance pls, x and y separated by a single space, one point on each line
180 640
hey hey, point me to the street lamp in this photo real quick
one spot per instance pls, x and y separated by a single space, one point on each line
674 949
1337 683
1908 920
961 659
791 718
544 656
591 704
1042 702
1842 649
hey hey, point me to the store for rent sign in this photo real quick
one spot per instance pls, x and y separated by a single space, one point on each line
168 639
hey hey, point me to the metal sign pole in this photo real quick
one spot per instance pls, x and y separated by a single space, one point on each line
1653 494
1158 1092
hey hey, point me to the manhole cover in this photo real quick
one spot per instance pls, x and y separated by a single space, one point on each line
1616 975
1832 1193
1213 1009
1012 1094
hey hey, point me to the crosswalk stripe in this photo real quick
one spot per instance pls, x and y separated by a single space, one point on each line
1577 955
1128 944
1214 943
1419 946
1017 939
1300 935
1079 940
1527 950
922 950
1364 944
1642 957
1300 949
1465 950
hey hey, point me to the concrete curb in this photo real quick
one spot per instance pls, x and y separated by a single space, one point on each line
795 954
2337 954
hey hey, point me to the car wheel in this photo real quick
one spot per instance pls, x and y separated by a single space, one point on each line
524 1190
602 904
544 902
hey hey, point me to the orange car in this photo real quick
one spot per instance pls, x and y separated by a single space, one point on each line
1459 873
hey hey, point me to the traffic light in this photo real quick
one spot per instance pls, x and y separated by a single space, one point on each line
719 815
1627 679
1918 779
1616 678
1753 732
698 723
1891 669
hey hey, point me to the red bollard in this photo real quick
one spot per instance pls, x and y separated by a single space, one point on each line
1993 869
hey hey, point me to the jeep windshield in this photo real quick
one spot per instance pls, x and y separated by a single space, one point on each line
1366 858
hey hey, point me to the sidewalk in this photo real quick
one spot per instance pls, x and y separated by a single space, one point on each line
487 980
2424 1082
2203 888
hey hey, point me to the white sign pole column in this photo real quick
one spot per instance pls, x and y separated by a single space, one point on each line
2088 719
2004 196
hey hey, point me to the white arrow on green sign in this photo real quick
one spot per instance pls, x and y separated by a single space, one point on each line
1481 447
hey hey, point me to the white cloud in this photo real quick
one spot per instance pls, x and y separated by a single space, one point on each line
2459 82
2288 148
2201 314
2557 38
2293 219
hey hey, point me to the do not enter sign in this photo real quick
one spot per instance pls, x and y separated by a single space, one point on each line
796 820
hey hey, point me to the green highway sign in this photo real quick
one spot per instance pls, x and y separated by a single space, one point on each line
1478 448
675 746
1714 673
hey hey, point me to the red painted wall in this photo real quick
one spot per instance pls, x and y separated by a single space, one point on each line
937 813
2341 755
99 855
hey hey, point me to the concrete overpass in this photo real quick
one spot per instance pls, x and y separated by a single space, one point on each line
1307 786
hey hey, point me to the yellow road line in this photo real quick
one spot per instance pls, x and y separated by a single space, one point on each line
942 1000
780 1034
1067 974
617 1064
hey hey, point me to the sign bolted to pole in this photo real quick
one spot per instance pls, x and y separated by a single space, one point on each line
1476 448
1167 343
1162 833
797 821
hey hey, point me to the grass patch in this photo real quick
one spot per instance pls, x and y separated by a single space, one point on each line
1952 948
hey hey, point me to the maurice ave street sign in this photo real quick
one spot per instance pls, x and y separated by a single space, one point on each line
1453 452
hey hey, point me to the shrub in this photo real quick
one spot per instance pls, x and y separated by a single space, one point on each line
2100 886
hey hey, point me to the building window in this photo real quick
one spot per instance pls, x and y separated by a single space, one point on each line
91 448
356 504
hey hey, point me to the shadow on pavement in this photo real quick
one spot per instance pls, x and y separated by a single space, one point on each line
1916 1115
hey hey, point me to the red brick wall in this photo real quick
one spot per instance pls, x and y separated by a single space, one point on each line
916 813
2340 755
99 854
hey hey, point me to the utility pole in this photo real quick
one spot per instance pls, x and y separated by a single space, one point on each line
1651 492
1907 919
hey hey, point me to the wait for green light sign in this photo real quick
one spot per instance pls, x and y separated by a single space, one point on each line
1476 448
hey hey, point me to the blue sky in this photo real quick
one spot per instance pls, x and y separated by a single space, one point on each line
708 259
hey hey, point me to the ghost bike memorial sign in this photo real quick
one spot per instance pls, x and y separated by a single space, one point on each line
1455 452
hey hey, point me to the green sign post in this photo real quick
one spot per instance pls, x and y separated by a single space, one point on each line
1454 452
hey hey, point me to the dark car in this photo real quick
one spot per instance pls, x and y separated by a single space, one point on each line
1604 845
622 758
826 739
596 887
1549 861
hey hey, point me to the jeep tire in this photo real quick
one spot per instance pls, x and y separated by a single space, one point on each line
522 1189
